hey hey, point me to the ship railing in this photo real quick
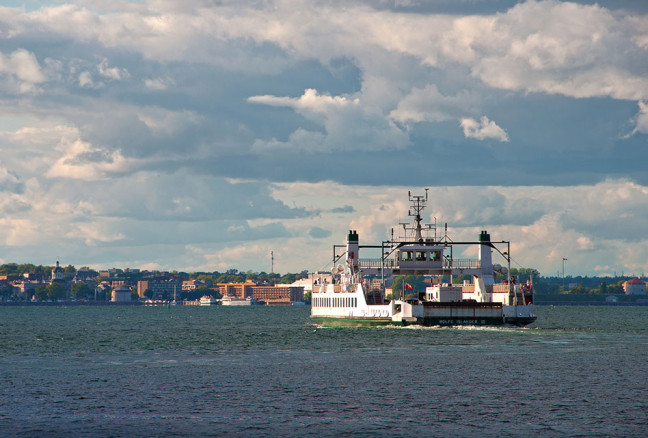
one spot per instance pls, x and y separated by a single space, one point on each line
501 288
447 264
321 288
495 288
468 288
376 263
462 263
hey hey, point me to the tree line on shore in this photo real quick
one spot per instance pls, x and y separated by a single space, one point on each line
580 285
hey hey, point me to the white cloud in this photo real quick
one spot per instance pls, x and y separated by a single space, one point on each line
23 71
9 181
113 73
174 123
559 47
163 122
483 129
641 119
158 84
93 233
85 80
534 46
81 160
543 223
428 104
348 124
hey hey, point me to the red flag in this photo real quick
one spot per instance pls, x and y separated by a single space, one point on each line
408 286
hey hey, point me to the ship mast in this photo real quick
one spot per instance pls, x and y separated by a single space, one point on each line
418 203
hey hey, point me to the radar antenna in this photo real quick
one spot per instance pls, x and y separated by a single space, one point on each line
418 203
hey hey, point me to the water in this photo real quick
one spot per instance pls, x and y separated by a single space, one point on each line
268 371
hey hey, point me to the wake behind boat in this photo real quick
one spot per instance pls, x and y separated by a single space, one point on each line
354 294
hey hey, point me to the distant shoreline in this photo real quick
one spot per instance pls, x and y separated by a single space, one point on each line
588 303
69 303
138 303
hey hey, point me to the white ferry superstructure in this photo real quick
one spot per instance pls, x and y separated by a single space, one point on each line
354 293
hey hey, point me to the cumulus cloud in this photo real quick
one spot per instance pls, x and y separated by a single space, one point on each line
81 160
22 70
349 125
155 104
641 119
85 80
93 233
428 104
9 181
158 84
109 72
483 129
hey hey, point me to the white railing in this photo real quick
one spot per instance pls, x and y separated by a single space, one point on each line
447 264
376 263
462 263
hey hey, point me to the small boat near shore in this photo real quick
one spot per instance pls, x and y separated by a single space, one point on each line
354 293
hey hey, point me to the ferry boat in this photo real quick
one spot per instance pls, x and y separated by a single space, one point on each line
208 300
353 294
236 301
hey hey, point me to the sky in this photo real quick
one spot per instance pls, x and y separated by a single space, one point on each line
208 135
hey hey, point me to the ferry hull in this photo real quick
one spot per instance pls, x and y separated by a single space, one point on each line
353 322
520 321
446 321
459 321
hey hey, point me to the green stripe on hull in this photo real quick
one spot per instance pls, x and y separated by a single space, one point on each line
439 321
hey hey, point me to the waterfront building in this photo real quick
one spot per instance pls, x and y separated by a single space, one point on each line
240 290
189 285
274 294
121 294
57 272
278 294
634 287
160 288
85 275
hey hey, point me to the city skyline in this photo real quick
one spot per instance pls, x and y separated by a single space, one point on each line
165 136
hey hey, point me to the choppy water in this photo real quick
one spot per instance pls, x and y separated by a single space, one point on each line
268 371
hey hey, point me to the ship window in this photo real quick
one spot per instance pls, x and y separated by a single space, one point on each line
406 256
420 256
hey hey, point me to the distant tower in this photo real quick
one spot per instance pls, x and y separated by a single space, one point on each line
57 273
